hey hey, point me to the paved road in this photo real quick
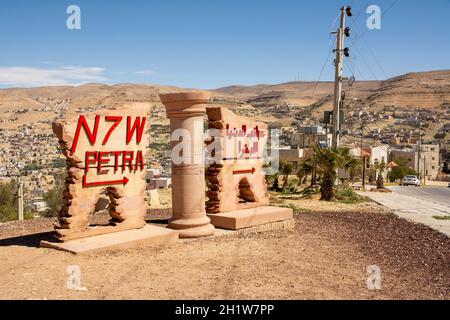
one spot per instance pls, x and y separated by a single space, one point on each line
436 195
420 205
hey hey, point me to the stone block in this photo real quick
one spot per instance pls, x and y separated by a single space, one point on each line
247 218
148 236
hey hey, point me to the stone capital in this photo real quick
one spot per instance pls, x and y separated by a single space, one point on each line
185 104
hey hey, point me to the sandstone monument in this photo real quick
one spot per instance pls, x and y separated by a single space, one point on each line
106 153
237 189
236 179
186 112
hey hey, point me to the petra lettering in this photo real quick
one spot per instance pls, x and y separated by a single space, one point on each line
106 154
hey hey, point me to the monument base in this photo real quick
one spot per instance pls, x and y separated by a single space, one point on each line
147 236
247 218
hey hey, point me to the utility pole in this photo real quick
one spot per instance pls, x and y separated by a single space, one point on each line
419 151
20 200
424 170
340 51
362 157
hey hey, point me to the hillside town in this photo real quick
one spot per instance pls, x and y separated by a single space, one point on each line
385 136
32 152
394 134
221 158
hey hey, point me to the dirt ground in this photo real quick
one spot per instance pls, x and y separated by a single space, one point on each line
325 257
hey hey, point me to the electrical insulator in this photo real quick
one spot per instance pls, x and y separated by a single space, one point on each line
347 52
347 32
348 10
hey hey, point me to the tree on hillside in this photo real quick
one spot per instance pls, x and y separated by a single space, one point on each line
7 191
54 198
401 170
8 211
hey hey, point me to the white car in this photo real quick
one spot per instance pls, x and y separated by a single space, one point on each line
411 181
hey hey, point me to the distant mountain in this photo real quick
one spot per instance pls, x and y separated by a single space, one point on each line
430 90
80 96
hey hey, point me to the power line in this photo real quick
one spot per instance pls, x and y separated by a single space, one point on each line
366 63
382 15
321 72
357 71
375 58
359 14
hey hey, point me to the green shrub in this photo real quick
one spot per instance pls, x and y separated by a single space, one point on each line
346 194
7 213
54 197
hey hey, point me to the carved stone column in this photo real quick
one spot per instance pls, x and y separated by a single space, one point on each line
186 112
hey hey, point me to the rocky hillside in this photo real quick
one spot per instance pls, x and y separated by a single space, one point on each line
430 90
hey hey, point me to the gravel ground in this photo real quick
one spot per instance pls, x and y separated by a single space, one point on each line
324 257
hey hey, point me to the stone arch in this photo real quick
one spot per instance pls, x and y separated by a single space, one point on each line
245 192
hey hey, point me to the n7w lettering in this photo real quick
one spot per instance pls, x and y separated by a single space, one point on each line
102 160
133 129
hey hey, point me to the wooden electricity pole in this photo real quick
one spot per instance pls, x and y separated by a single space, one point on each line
338 77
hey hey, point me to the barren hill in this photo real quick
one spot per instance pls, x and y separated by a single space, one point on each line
427 90
80 96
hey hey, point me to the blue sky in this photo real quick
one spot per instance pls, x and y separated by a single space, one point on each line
213 43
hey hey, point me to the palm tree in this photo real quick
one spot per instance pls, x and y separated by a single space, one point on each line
328 161
305 169
379 169
350 163
286 169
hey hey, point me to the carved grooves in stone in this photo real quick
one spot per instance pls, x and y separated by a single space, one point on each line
65 215
114 195
213 181
214 184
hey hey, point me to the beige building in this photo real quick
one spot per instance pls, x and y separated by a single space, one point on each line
311 136
292 155
429 163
